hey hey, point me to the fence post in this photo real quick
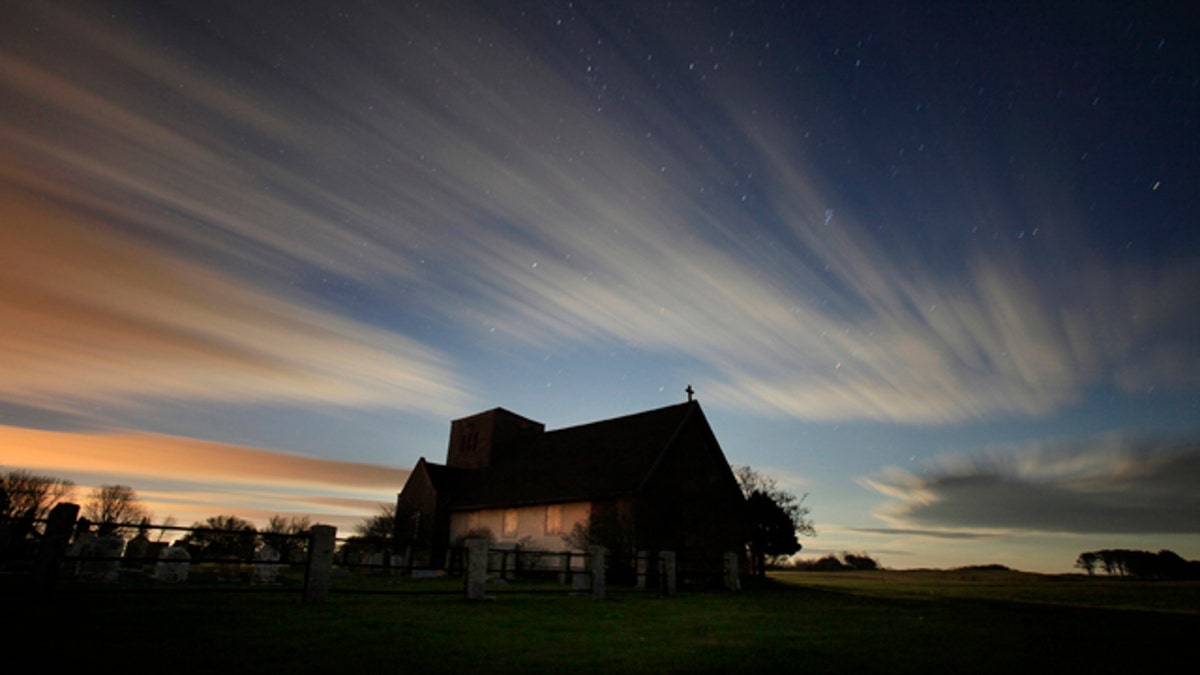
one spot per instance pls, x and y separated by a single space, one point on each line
596 565
53 549
477 568
564 574
668 563
318 577
732 582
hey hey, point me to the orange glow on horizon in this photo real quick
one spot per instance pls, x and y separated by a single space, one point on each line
192 479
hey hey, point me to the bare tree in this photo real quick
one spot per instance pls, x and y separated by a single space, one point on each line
30 496
114 509
382 525
220 536
774 518
752 481
285 535
25 499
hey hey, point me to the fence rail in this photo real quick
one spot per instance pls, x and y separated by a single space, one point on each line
65 558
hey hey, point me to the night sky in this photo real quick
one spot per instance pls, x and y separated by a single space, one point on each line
934 264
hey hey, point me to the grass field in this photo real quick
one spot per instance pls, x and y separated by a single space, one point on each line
928 622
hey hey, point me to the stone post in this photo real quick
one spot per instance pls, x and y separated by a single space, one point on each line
477 568
596 567
668 563
732 582
53 549
318 576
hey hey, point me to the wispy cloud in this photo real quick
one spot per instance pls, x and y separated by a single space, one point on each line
1114 484
94 317
193 479
908 532
465 176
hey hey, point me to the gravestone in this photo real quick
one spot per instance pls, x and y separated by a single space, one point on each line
266 566
82 546
102 563
135 552
172 566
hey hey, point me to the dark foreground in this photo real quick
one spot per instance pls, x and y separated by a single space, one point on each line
793 623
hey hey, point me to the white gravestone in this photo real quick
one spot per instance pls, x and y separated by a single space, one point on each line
172 566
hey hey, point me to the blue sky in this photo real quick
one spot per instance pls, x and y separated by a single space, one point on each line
934 266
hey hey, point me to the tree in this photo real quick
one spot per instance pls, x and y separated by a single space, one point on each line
285 535
374 534
751 481
860 561
26 498
382 525
1087 561
770 531
831 563
768 534
31 496
114 509
220 536
1165 564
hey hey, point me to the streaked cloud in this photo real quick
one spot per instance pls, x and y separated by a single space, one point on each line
934 534
1114 484
94 317
192 479
478 181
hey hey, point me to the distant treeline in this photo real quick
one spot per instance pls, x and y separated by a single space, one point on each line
1140 564
831 563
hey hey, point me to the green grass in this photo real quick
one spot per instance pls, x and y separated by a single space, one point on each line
797 622
1009 586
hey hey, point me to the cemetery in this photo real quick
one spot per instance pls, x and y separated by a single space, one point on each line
71 558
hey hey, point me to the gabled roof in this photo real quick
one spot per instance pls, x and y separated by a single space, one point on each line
443 478
601 460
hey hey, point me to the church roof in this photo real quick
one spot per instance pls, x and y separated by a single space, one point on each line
601 460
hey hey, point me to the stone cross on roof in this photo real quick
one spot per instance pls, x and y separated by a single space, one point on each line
689 392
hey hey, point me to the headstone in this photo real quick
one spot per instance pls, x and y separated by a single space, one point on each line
172 566
155 549
136 551
103 563
266 565
83 546
54 545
